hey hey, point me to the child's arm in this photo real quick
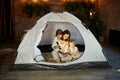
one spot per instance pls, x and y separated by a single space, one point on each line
54 43
76 50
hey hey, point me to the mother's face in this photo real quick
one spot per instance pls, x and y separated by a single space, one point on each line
66 36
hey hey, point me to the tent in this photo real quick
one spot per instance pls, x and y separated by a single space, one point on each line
43 33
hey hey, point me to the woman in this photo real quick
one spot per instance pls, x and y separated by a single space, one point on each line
64 44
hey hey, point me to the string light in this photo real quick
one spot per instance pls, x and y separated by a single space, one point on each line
34 1
45 0
23 1
92 1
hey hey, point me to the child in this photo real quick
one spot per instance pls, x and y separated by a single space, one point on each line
56 45
73 50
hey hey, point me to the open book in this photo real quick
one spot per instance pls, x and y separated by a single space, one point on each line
64 53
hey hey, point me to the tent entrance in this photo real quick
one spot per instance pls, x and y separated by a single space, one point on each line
50 30
49 34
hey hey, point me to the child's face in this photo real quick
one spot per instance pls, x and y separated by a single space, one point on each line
59 36
72 44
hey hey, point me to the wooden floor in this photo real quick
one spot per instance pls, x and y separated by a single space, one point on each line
81 74
8 54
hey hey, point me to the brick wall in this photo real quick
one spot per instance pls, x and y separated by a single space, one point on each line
109 12
23 23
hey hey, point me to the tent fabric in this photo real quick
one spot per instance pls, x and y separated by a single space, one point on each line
28 50
50 31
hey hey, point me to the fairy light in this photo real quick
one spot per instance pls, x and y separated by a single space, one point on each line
45 0
35 1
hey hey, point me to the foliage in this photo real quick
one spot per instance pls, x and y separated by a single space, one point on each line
41 9
38 9
82 10
101 27
28 9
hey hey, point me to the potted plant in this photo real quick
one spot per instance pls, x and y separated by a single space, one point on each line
28 9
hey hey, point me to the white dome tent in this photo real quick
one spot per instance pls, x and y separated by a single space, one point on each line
28 49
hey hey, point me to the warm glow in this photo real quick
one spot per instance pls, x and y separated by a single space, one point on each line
63 0
68 0
90 13
72 0
35 1
23 1
92 1
45 0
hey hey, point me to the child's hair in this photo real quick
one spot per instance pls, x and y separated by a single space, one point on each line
72 41
59 31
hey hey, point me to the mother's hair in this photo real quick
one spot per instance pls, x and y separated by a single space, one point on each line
66 32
